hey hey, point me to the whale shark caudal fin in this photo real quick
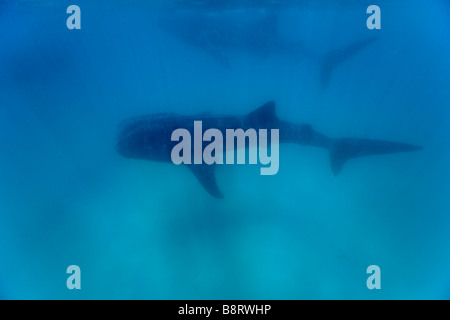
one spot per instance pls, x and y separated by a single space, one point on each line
336 57
206 174
344 149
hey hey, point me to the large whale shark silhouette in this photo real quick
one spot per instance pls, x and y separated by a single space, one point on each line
149 137
253 31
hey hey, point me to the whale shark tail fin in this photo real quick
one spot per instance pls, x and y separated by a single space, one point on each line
348 148
336 57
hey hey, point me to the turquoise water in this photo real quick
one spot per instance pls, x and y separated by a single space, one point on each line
148 230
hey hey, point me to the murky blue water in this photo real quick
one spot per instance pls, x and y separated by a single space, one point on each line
148 230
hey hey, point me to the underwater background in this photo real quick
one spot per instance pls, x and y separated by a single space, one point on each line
148 230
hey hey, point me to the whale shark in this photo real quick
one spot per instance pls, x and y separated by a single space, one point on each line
148 137
254 31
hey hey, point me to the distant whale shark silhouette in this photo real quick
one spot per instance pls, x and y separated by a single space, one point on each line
219 32
149 137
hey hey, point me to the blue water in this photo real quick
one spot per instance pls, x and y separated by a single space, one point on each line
148 230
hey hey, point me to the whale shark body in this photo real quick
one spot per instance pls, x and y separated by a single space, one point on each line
149 137
219 33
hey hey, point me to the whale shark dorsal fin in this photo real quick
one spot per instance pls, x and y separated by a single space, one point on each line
206 174
263 115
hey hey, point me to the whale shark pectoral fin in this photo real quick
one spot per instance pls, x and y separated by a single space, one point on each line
206 174
337 162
